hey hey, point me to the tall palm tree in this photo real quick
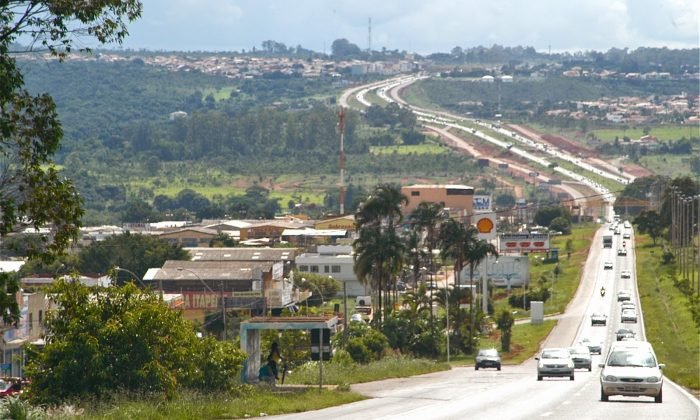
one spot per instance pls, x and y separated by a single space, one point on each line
378 257
382 207
451 239
476 250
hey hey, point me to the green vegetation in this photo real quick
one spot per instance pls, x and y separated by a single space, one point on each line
246 402
663 132
668 321
524 343
421 149
668 165
342 372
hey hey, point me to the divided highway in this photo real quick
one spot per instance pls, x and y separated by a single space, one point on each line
514 392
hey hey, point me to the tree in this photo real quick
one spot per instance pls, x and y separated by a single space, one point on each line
545 215
505 323
649 222
103 340
560 224
342 48
134 252
32 194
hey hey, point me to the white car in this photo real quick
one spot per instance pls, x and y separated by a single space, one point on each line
629 315
625 274
628 305
631 369
607 265
554 362
623 295
357 318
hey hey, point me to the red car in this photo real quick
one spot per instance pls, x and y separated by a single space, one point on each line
9 388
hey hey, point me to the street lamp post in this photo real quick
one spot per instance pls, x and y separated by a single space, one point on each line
447 317
117 268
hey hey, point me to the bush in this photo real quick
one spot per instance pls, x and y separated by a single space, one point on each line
359 352
537 293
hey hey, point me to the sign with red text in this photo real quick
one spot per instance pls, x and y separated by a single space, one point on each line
523 243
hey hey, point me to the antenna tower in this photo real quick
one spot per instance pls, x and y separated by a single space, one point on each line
341 128
369 36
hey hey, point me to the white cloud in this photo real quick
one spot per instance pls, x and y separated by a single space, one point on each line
423 26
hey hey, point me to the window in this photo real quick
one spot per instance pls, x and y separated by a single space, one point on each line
335 269
41 316
415 193
459 191
314 269
326 269
31 320
304 268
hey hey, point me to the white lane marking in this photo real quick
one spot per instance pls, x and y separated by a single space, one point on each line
547 414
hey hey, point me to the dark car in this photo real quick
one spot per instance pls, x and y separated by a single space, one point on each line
487 358
599 319
581 356
623 333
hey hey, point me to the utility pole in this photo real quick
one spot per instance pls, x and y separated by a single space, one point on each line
223 310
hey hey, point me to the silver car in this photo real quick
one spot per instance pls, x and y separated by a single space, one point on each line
593 346
554 362
629 315
631 369
581 357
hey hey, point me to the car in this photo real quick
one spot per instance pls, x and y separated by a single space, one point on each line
629 315
626 235
581 357
593 346
631 369
599 319
10 387
624 295
622 252
487 358
357 318
623 333
627 305
555 362
625 274
617 231
607 265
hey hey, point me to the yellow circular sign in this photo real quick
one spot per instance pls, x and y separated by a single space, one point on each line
484 225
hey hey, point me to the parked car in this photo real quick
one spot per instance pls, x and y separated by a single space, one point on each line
487 358
624 333
599 319
10 387
607 265
624 295
581 357
554 362
625 274
593 346
631 369
629 315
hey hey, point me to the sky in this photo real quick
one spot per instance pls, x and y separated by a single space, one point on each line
423 27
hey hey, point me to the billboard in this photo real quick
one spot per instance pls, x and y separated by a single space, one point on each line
523 243
482 203
501 271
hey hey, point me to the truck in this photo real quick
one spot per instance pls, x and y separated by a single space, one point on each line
607 241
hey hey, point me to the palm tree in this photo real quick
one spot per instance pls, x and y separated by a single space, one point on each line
451 240
378 258
382 207
475 252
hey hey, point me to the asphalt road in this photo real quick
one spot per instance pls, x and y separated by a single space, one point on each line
514 392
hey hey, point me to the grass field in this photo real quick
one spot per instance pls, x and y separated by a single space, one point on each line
662 132
667 319
672 166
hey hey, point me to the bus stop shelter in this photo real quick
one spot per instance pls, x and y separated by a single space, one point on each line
250 336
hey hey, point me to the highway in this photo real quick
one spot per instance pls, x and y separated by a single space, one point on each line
514 392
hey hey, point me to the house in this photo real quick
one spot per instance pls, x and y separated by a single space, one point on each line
335 261
271 229
189 236
309 236
346 222
458 198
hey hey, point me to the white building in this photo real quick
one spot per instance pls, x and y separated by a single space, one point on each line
335 261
